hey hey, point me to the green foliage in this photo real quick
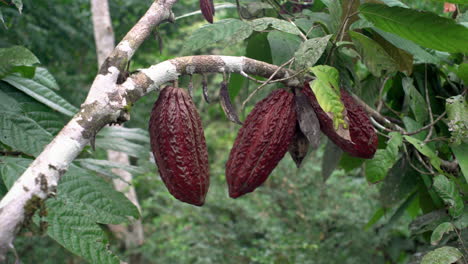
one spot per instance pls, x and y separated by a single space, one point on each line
325 212
17 59
377 168
443 255
425 29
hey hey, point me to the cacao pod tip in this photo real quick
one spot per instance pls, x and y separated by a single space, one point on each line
207 9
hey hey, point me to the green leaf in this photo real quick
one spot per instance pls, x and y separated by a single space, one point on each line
439 232
78 233
377 168
334 9
36 89
428 222
262 24
132 134
400 181
122 145
373 55
457 113
16 59
462 72
425 150
420 55
310 51
89 193
110 165
461 153
316 17
411 125
18 102
283 46
415 100
226 31
443 255
22 133
378 214
45 78
447 190
327 91
425 29
7 103
403 59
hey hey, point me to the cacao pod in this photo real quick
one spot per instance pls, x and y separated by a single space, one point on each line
261 143
363 143
207 9
178 144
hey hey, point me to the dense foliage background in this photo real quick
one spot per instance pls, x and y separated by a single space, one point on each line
397 208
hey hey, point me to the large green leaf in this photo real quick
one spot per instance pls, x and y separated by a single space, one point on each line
13 100
420 54
400 181
426 151
439 232
310 51
226 31
22 133
415 100
36 88
425 29
443 255
447 190
377 168
263 23
77 232
402 58
374 56
17 59
283 46
327 91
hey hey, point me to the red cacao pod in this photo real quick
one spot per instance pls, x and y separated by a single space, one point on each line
363 143
178 145
261 143
207 9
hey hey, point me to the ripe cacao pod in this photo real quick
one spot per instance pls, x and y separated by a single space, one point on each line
207 9
178 145
261 143
363 143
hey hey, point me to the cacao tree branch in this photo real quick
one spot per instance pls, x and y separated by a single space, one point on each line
105 103
132 234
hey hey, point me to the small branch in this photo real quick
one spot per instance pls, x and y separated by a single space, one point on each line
266 82
381 102
429 108
431 125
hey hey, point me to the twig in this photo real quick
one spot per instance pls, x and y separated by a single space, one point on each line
412 165
429 108
266 82
300 32
381 102
426 127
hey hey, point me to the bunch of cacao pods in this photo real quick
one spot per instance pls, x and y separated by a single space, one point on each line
287 119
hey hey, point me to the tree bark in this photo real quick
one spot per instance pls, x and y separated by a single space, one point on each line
132 234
